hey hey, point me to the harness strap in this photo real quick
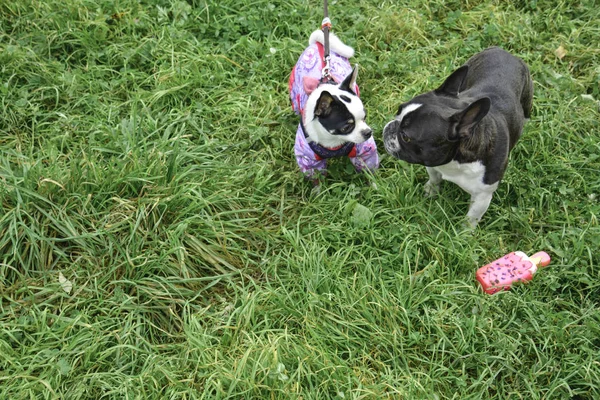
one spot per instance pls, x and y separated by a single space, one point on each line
325 78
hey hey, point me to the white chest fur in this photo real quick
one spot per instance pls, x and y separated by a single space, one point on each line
468 176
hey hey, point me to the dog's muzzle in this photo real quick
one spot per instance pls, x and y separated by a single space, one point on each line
390 137
367 133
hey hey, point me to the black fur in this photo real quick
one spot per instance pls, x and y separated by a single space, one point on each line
464 130
477 114
334 115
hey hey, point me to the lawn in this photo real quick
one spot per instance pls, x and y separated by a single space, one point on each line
157 240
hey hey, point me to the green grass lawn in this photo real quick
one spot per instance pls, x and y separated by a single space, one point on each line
147 165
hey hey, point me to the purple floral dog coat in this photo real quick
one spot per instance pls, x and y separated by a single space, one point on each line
312 157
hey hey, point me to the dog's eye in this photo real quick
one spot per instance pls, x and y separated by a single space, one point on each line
405 137
348 127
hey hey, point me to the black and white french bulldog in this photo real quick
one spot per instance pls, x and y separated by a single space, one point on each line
464 130
332 115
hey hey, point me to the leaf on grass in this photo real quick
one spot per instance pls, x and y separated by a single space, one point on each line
361 215
588 97
66 284
52 181
63 367
279 372
560 52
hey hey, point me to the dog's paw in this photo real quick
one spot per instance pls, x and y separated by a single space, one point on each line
470 223
431 189
372 185
316 190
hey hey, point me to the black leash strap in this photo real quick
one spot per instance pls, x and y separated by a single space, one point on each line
326 26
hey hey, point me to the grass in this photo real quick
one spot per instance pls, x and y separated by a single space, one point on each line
147 157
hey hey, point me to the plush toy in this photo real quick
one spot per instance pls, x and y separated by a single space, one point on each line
512 268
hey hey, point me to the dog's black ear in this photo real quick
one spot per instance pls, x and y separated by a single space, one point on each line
464 121
349 81
454 84
323 108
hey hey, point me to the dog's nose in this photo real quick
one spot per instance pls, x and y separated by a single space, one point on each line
367 133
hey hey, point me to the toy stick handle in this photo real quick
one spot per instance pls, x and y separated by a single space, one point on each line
540 259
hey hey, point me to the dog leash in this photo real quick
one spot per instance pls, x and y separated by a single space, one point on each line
325 27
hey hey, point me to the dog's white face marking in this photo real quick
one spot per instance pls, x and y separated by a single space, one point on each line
357 109
392 144
318 134
407 110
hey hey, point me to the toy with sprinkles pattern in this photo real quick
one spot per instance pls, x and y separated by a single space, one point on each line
513 268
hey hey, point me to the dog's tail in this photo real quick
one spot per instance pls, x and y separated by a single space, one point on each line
527 95
335 44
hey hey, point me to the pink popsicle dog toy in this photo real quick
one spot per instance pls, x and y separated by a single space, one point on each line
512 268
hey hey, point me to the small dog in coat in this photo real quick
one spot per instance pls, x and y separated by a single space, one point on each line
332 116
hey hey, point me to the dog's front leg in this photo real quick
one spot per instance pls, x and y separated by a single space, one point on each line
432 186
479 205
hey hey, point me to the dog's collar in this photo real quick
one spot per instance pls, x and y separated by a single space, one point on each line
347 149
327 80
